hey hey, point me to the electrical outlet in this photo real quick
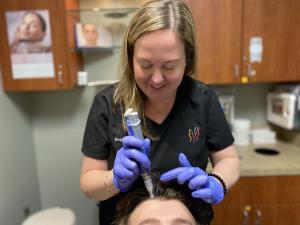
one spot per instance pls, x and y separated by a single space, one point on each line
26 211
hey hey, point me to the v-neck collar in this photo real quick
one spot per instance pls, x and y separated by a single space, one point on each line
157 126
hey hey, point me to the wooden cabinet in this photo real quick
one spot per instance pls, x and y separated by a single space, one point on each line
277 22
30 75
224 31
261 201
218 26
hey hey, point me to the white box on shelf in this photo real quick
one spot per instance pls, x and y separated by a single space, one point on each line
82 78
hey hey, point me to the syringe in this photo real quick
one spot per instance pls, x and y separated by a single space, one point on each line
134 129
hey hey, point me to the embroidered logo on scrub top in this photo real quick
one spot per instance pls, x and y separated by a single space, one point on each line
194 134
118 139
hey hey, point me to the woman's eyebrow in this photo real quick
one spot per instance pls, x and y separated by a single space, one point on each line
139 59
181 221
150 221
176 221
172 61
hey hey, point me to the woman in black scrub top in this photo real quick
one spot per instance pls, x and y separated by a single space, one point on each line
181 117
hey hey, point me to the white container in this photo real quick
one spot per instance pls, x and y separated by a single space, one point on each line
82 78
241 131
52 216
263 136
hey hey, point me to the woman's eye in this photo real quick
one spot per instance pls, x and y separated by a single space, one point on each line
169 67
148 66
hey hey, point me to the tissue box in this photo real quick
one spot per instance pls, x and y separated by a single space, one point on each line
263 136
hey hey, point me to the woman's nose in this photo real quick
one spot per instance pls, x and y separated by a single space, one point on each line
26 26
157 77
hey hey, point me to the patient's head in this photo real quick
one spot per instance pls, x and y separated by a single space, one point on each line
172 205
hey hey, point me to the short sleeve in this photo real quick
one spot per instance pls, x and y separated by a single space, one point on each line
95 139
219 135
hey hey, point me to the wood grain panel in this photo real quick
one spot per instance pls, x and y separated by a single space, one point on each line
218 26
277 22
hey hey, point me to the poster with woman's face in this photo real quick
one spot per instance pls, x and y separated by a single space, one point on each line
29 37
92 36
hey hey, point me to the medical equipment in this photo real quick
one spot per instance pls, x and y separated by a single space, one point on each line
134 129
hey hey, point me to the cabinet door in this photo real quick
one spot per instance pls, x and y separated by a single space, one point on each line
231 215
58 76
218 26
277 22
272 200
235 209
287 214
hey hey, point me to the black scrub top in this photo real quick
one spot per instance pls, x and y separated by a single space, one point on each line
195 126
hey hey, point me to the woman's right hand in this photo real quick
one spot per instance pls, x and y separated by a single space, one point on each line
131 158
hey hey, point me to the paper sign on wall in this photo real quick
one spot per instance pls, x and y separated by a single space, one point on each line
255 49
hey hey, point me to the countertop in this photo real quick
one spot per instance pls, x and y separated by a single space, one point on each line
286 163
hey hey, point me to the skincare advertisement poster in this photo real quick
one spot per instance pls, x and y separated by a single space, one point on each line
29 36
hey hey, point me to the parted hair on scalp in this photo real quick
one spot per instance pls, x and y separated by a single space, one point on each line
162 191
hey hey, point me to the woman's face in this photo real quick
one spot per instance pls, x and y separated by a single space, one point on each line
159 62
161 212
30 29
90 34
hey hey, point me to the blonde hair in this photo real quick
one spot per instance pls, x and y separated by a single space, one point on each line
152 16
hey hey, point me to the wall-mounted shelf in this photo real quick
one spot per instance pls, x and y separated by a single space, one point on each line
113 13
101 82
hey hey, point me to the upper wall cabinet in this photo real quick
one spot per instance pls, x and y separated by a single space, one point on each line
37 45
247 40
218 26
277 22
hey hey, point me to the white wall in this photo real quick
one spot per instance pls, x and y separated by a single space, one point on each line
18 173
58 125
250 101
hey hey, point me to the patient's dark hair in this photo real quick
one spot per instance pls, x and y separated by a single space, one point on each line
200 210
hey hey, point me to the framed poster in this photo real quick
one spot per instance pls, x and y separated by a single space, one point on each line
29 36
93 36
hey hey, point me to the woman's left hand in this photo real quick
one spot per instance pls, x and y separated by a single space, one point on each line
206 187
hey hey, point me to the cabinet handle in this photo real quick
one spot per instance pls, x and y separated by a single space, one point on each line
251 71
60 74
257 217
246 211
236 71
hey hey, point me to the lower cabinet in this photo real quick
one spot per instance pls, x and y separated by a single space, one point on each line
287 214
273 200
230 215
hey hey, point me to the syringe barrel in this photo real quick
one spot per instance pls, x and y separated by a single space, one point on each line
133 124
134 129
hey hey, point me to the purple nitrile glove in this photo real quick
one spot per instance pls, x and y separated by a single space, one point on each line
130 158
203 186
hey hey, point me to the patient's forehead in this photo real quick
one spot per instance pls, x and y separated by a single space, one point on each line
161 212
